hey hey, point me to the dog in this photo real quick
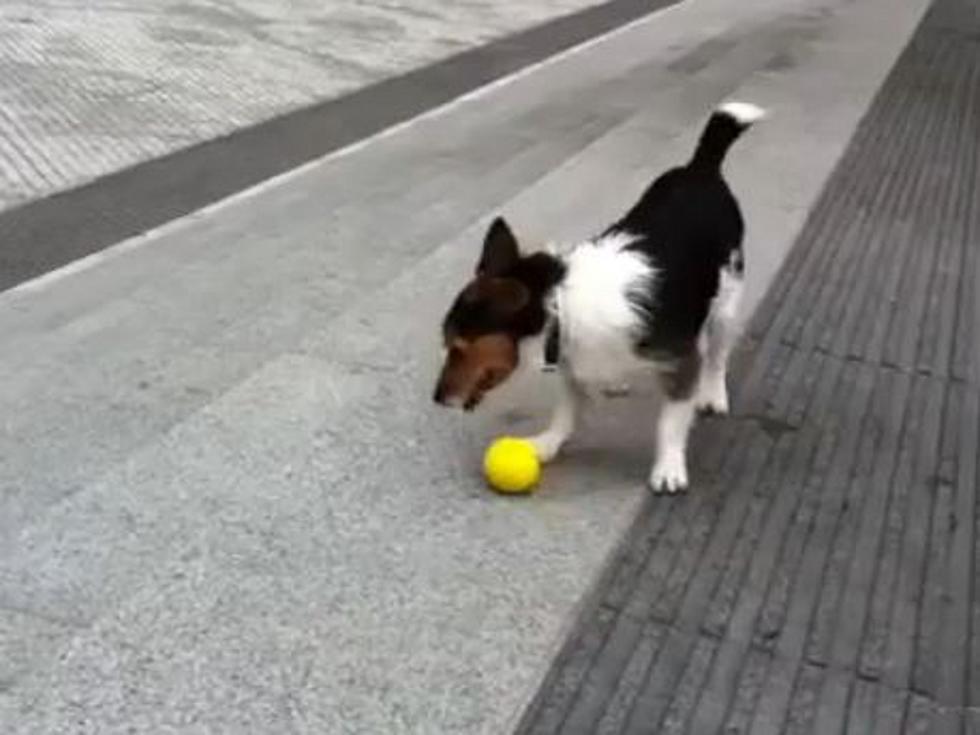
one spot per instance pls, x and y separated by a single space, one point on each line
656 291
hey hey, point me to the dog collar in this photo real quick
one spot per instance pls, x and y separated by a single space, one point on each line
552 335
552 329
552 345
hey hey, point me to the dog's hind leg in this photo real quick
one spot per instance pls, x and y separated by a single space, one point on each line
719 335
680 381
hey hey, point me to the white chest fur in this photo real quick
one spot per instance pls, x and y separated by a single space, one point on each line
599 321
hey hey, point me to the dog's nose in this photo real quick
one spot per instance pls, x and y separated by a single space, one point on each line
439 396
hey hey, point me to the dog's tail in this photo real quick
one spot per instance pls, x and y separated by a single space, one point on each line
725 125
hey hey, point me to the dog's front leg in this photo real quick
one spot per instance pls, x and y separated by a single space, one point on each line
548 443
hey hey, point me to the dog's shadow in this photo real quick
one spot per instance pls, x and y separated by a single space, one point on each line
581 470
613 447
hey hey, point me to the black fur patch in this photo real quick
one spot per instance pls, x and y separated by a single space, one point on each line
689 226
472 316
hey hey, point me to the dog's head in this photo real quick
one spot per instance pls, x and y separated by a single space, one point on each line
503 304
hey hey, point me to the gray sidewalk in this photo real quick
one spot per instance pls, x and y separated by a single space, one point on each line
227 503
90 88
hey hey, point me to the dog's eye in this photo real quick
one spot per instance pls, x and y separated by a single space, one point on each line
490 379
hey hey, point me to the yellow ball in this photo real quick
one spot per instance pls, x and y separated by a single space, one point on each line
511 466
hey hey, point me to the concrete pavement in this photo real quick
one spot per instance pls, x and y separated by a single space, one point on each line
227 503
153 186
90 88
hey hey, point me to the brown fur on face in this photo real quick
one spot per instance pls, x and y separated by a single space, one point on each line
473 367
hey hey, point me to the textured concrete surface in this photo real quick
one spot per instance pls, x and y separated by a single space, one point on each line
227 503
92 87
47 233
824 578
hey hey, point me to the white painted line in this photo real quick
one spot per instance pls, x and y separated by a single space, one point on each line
45 280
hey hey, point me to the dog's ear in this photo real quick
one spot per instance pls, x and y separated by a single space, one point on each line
500 251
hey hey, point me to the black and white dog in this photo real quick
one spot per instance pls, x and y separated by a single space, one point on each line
657 290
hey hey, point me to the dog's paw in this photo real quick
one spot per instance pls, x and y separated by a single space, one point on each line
546 446
669 475
712 397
